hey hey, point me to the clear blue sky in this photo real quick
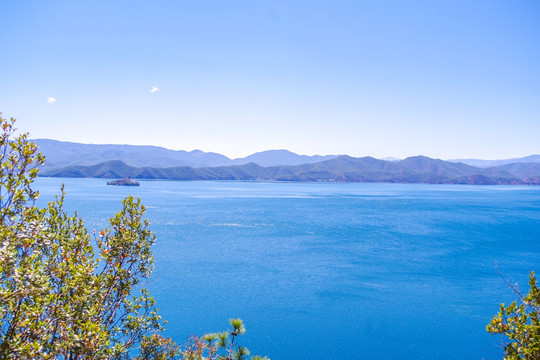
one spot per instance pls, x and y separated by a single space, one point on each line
446 79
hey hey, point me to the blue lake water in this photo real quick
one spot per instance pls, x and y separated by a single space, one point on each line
331 271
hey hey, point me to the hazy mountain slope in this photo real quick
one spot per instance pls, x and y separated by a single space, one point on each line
118 169
492 163
521 170
280 158
423 164
62 154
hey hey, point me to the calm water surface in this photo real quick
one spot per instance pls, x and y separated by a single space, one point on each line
331 271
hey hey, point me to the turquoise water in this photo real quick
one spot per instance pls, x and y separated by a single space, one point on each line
331 271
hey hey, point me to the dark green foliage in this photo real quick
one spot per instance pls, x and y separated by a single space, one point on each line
219 346
520 323
59 298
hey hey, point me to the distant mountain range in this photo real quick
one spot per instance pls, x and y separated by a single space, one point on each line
416 169
66 159
61 154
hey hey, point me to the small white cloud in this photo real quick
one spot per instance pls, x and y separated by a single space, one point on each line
51 100
154 89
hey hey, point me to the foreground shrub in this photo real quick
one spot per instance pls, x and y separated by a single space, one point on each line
68 294
520 323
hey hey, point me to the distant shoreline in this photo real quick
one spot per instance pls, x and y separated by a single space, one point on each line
291 181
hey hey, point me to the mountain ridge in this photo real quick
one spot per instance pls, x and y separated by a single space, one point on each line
416 169
71 159
65 153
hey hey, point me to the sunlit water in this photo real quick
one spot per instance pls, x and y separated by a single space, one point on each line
331 271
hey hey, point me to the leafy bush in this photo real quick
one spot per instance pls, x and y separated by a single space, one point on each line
68 294
520 324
